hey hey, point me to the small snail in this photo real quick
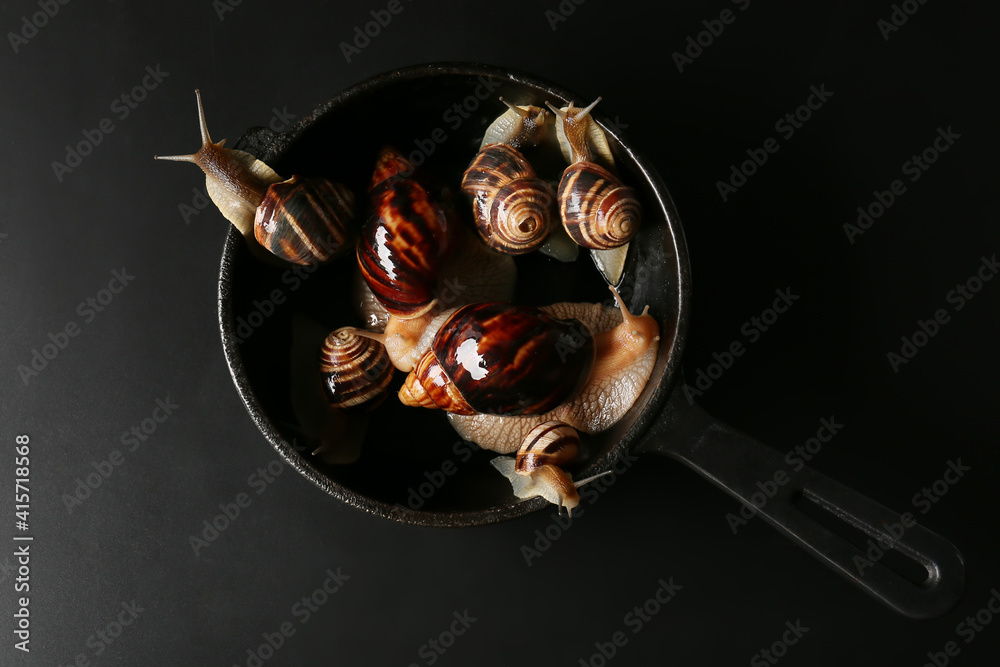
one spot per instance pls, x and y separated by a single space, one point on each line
406 239
535 470
459 366
512 207
597 210
355 371
300 220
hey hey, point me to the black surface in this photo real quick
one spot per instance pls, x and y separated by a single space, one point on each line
826 358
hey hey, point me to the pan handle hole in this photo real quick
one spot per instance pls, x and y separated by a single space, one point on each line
872 550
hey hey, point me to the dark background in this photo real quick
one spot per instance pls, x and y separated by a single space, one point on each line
60 240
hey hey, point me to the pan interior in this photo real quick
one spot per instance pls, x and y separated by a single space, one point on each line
413 467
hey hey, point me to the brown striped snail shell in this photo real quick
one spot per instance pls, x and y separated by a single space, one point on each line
512 208
300 220
405 240
356 371
550 443
498 358
597 210
291 225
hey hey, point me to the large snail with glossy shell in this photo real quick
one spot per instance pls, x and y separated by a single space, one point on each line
500 358
486 381
300 220
406 239
513 208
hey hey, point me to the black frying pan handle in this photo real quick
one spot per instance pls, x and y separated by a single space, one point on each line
746 469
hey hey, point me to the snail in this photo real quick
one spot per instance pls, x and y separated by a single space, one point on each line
499 358
535 470
355 371
496 387
597 210
405 240
512 207
300 220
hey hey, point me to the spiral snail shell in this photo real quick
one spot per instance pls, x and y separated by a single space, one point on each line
499 358
406 239
550 443
536 471
355 371
300 220
512 207
598 211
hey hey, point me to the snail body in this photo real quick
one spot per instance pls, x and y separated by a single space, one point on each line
512 207
406 239
300 220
